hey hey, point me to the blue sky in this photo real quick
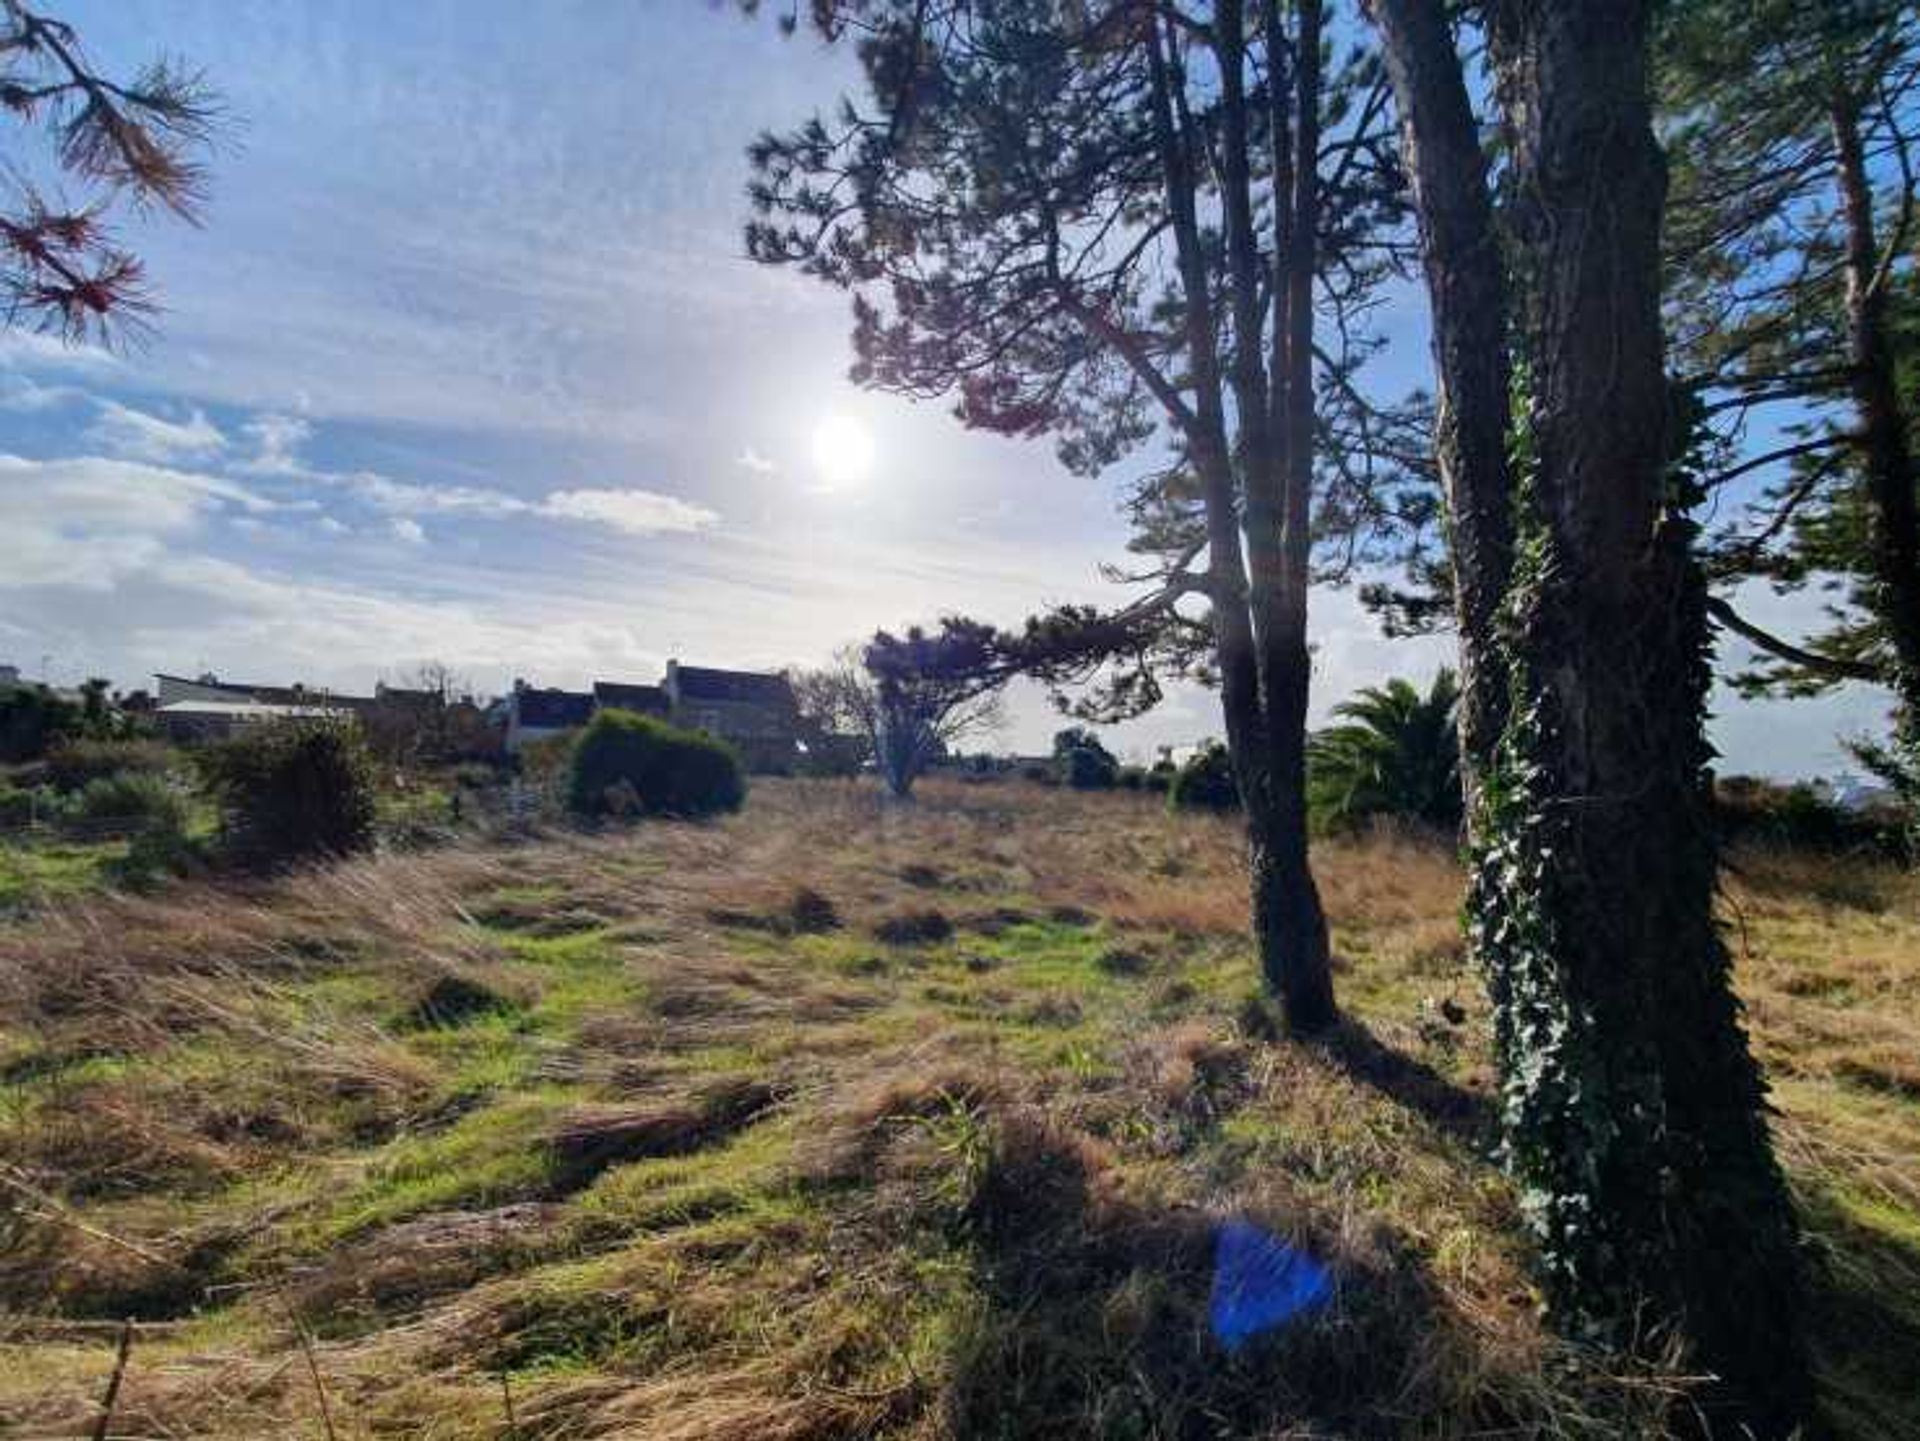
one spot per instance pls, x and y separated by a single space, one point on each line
467 364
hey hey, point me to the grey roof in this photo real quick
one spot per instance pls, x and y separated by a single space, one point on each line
553 709
622 695
754 687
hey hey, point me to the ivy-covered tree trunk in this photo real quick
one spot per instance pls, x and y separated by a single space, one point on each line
1893 509
1633 1108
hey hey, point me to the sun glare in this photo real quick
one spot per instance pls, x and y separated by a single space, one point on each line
842 451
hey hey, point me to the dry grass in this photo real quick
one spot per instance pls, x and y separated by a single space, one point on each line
842 1119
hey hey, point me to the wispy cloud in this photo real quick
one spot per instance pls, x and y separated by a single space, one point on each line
132 434
636 512
410 531
753 460
277 440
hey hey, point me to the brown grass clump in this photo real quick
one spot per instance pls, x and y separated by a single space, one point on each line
592 1139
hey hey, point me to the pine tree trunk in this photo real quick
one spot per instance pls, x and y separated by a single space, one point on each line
1467 287
1893 509
1289 926
1289 922
1633 1106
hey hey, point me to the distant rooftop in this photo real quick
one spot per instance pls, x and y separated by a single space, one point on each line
624 695
755 687
246 709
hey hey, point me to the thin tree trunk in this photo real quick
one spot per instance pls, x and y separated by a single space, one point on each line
1307 981
1467 288
1893 512
1288 923
1635 1111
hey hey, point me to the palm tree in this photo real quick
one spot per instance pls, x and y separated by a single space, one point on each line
1396 754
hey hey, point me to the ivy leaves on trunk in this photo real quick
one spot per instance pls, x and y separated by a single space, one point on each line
1633 1111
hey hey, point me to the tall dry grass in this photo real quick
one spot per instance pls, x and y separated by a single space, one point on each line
763 1173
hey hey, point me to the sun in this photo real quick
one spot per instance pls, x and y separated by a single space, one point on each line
842 451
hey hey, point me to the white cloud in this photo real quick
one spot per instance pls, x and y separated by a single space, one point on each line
87 521
137 435
629 510
277 440
333 527
23 395
636 512
753 460
409 531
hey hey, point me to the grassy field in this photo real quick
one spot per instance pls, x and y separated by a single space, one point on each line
841 1120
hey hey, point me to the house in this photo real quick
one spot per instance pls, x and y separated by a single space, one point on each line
204 707
620 695
531 713
192 720
209 687
752 710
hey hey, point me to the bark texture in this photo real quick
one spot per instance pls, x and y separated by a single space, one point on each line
1635 1109
1467 287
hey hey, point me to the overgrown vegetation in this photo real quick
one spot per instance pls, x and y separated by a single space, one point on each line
293 790
833 1120
628 764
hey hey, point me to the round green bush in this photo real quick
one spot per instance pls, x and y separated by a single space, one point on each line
130 799
1205 782
624 763
293 790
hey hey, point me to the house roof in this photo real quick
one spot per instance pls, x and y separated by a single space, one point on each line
702 683
245 710
293 695
620 695
553 709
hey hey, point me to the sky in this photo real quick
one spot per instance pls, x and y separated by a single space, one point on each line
467 364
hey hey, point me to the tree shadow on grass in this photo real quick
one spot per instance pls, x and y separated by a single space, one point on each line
1864 1321
1103 1316
1465 1115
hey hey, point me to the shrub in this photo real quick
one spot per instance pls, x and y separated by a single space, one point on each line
74 763
129 800
629 762
294 790
1205 782
1801 818
1159 780
1083 762
21 805
546 763
32 718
